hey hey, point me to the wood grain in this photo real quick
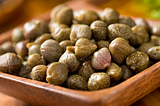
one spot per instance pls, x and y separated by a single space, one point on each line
44 94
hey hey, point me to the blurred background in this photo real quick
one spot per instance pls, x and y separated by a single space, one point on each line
15 12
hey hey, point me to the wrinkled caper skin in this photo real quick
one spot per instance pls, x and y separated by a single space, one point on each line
57 73
59 12
36 59
64 44
86 70
137 61
35 28
127 20
114 71
39 73
17 35
76 82
10 63
99 80
126 72
85 16
21 48
43 38
109 16
84 48
119 30
8 47
102 43
51 50
71 60
80 31
34 49
25 70
154 53
143 23
140 35
119 49
145 47
99 30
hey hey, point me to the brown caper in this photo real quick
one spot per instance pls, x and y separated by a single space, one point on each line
57 73
39 73
71 60
99 30
145 47
114 71
65 43
10 63
155 40
34 49
17 35
137 61
51 50
76 82
143 23
21 48
36 59
140 35
109 15
99 80
35 28
8 47
156 30
102 43
119 30
80 31
132 49
43 38
84 48
25 70
59 12
2 51
86 70
85 16
127 20
154 53
126 72
119 49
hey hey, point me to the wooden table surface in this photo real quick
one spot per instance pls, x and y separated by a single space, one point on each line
31 8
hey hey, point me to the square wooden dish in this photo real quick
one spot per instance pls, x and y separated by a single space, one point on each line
44 94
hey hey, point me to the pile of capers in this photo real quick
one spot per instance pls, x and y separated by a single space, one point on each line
82 50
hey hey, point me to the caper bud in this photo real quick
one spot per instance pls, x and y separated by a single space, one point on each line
85 16
34 49
102 43
8 47
140 35
145 47
127 20
114 71
99 80
17 35
154 53
86 70
137 61
65 43
80 31
36 59
25 70
156 30
119 30
43 38
119 49
99 30
126 72
39 73
10 63
71 60
51 50
109 15
155 40
76 82
57 73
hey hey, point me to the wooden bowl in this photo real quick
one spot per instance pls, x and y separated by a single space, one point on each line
44 94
